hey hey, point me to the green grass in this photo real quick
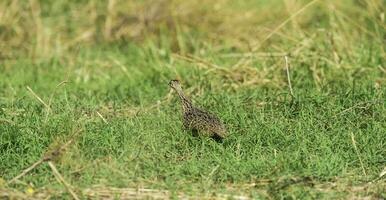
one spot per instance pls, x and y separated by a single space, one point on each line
296 144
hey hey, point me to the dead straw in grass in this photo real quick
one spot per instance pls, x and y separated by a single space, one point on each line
48 156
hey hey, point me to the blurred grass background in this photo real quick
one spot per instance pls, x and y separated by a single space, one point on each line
103 66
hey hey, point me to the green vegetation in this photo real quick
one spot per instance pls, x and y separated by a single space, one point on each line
102 68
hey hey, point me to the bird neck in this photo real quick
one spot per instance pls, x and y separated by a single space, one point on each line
186 103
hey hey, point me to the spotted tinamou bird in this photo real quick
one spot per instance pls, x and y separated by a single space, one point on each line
197 120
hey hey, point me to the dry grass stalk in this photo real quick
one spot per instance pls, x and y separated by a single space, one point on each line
54 92
52 96
357 152
48 156
38 98
383 172
346 187
288 75
33 166
196 60
109 19
143 193
6 193
126 193
255 55
123 68
60 179
274 31
103 119
245 75
108 111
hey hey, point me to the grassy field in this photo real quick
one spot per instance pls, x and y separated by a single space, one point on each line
96 73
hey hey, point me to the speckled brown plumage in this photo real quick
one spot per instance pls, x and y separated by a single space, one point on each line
195 119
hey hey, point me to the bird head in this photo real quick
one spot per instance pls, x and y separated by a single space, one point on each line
175 84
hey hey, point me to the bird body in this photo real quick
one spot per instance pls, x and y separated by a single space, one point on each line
205 123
